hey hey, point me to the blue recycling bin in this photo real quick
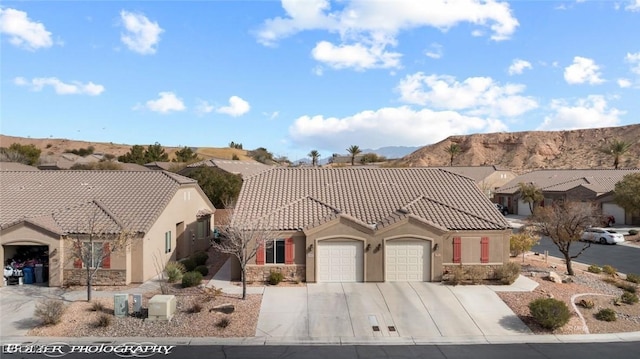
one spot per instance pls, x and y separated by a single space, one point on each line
27 272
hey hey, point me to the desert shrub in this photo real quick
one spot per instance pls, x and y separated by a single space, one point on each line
628 287
191 279
550 313
457 275
609 270
475 274
629 298
275 277
607 315
633 278
633 232
196 307
49 311
204 270
223 323
594 269
189 264
235 157
103 321
508 273
200 258
588 304
174 271
96 306
210 293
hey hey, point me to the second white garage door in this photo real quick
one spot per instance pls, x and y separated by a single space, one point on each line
408 261
340 261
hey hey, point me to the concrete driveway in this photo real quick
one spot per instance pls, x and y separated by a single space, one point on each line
412 309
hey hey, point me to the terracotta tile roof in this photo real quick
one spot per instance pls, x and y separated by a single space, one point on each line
244 168
295 198
165 166
126 198
16 166
599 181
133 167
477 173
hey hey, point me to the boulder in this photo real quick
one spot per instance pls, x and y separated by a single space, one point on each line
567 279
226 308
554 277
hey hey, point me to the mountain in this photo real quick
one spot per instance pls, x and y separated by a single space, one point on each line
525 151
392 152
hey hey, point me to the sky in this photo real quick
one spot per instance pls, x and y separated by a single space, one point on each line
293 76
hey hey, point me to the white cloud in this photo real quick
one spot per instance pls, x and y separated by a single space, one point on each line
167 102
61 88
142 35
22 31
356 56
624 83
634 60
271 115
435 51
203 107
475 95
590 112
237 107
518 66
583 70
634 5
385 127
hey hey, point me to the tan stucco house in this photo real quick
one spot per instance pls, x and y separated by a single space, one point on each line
169 215
487 178
365 224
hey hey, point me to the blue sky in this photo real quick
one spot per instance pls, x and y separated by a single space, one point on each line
293 76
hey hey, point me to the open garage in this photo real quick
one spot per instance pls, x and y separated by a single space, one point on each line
27 264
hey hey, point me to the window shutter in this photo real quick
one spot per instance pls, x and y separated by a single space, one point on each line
77 263
288 251
106 261
457 250
260 255
484 250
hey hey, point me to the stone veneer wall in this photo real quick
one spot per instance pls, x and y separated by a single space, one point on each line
291 273
102 277
489 270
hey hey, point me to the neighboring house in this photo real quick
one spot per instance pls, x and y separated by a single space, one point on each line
488 178
39 210
569 184
64 162
237 167
133 167
361 224
161 166
16 166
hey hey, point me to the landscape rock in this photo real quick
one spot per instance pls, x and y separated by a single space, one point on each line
554 277
567 279
226 308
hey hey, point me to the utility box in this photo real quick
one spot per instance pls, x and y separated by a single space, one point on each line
121 305
162 307
137 304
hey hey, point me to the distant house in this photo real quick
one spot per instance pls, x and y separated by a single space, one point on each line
366 224
243 168
39 210
488 178
568 184
64 162
16 166
160 166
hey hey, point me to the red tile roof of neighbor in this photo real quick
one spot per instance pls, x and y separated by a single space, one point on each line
61 200
303 197
599 181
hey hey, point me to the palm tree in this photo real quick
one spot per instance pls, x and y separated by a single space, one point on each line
530 194
453 150
617 149
353 151
314 157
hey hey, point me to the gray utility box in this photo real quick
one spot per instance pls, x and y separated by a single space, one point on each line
137 304
121 305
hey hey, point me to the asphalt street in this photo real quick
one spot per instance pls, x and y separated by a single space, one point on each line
625 258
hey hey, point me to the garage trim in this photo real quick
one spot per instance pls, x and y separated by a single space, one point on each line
405 238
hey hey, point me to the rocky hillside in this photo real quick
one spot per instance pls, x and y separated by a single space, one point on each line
524 151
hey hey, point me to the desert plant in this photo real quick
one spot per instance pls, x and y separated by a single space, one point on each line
200 258
204 270
191 279
275 277
594 269
607 315
223 323
616 301
189 264
49 311
629 298
457 275
508 273
195 307
174 271
550 313
633 232
588 304
210 293
609 270
633 278
104 320
96 306
628 287
475 274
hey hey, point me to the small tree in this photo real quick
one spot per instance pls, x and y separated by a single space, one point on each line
27 154
530 194
627 193
453 150
564 223
243 239
314 157
523 241
135 155
220 187
617 149
185 154
155 153
354 151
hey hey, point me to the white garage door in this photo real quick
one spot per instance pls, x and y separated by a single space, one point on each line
340 261
408 261
614 210
523 208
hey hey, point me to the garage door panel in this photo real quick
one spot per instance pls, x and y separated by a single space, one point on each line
340 261
407 261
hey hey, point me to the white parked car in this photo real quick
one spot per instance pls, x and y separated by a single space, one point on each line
602 236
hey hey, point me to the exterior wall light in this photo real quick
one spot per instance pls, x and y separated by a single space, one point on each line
435 247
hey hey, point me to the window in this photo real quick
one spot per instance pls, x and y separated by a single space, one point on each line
167 242
204 227
275 253
92 253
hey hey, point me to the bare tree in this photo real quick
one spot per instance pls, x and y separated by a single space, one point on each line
93 242
564 223
243 239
